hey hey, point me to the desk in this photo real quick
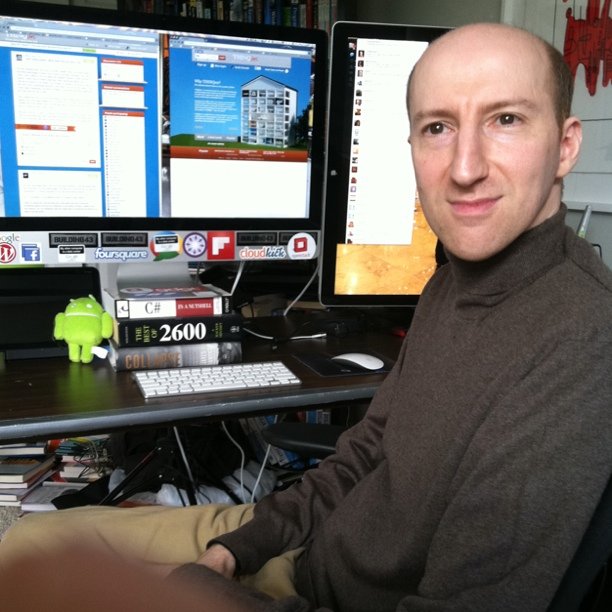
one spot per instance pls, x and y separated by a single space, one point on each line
50 398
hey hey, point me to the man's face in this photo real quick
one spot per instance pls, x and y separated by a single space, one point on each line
488 152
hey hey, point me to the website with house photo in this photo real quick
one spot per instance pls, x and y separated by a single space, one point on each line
240 118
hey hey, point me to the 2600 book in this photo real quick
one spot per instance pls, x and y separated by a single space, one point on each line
156 332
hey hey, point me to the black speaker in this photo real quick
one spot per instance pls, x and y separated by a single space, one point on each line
29 300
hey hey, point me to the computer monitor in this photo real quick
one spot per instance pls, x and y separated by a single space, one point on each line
378 249
131 137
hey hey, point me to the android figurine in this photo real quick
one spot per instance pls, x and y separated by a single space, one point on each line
82 325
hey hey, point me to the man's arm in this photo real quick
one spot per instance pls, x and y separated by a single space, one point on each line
284 521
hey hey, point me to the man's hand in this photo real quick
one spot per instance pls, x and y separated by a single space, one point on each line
219 559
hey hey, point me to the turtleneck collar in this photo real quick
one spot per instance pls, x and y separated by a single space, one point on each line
488 282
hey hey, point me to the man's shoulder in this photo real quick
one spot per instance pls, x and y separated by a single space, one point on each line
588 273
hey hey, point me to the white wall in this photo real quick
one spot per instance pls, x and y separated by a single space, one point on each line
591 181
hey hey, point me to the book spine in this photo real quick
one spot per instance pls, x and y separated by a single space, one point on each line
167 307
309 10
159 332
248 11
175 356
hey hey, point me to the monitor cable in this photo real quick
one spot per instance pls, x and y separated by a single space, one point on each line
303 291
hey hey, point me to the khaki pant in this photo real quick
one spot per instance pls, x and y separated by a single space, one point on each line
156 534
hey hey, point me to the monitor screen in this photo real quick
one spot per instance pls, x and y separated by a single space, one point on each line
136 137
377 246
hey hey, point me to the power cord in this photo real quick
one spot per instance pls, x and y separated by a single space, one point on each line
242 460
303 291
261 471
179 443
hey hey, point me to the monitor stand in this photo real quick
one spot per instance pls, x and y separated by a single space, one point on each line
167 274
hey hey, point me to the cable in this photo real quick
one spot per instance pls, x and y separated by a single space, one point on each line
303 291
267 337
261 471
238 276
242 460
185 461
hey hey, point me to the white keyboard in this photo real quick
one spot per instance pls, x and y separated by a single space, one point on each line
205 379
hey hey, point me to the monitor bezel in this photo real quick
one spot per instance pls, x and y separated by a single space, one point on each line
338 154
313 221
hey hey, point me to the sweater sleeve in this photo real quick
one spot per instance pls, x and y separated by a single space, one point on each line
285 520
525 490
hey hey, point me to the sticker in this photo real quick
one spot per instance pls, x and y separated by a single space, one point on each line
221 245
61 239
68 253
302 246
31 252
194 244
124 239
256 252
121 255
8 253
256 238
165 245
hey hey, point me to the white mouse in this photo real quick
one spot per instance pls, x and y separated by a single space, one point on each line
363 360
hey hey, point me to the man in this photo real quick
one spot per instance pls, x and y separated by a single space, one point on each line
470 481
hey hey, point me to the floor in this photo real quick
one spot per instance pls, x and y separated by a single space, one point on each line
8 516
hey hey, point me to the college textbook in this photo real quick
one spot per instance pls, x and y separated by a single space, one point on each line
166 302
174 355
160 332
22 469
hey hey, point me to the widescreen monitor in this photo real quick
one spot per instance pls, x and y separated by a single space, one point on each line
378 249
149 138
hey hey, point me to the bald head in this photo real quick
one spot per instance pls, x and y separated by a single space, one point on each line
471 38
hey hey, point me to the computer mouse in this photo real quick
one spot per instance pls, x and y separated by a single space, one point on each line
363 360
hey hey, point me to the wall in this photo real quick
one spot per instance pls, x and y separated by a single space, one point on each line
428 12
591 180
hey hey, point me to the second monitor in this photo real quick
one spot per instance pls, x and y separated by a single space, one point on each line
378 248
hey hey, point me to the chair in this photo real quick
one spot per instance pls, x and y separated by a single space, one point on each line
587 583
306 439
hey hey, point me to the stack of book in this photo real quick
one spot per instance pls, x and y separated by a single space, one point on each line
170 327
23 467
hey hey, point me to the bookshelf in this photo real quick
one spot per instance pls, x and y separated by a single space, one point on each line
293 13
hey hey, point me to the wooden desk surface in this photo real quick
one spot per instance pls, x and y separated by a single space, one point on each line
47 398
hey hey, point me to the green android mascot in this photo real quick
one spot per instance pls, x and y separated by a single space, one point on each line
82 325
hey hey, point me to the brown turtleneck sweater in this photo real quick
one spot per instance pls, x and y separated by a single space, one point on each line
482 457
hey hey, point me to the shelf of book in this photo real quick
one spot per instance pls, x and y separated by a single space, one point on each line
319 14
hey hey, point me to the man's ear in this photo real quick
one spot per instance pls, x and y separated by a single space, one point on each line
571 139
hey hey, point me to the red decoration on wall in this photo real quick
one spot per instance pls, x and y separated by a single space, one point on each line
588 42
